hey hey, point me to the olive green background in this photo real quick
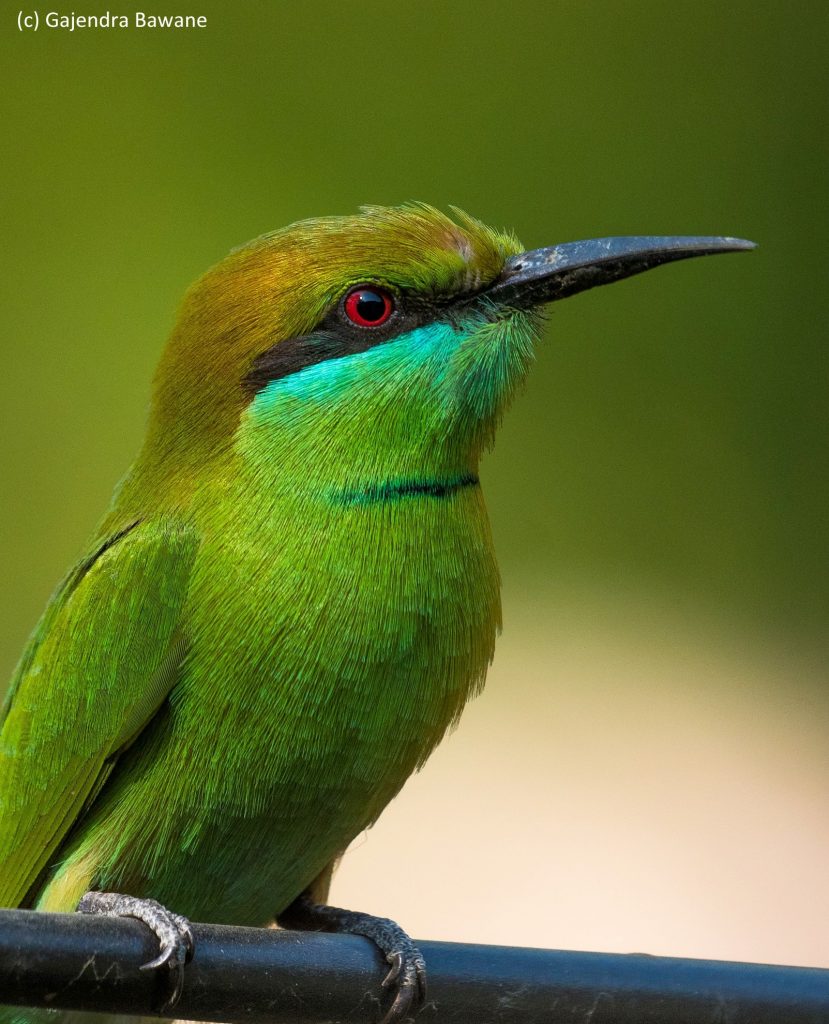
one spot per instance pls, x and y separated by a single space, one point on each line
665 472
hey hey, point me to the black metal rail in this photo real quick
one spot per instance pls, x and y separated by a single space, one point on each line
241 975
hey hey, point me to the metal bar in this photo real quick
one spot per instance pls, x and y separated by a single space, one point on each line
262 976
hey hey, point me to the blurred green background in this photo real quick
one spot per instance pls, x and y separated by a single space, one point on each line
659 492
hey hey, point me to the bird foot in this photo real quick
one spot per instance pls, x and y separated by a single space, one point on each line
173 932
406 979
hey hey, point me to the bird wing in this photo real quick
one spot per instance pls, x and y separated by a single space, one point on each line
103 658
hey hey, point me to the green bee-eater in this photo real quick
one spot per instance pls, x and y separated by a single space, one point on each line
294 591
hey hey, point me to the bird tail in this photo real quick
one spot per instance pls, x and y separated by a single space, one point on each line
23 1015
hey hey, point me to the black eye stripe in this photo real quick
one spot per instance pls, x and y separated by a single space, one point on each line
335 337
295 354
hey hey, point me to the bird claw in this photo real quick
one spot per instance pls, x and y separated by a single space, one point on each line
408 974
396 961
408 977
173 932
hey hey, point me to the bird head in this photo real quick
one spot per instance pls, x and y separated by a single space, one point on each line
341 353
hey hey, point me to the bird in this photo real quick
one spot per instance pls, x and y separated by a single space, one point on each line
294 591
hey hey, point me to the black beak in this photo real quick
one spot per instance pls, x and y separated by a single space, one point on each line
545 275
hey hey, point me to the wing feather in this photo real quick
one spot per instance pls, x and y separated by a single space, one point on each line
103 658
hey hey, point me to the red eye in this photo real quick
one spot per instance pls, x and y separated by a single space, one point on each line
368 307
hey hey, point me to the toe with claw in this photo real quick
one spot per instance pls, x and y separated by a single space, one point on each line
174 934
406 979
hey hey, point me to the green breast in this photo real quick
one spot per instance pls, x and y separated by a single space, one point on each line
331 646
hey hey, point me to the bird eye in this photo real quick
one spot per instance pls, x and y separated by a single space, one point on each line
368 307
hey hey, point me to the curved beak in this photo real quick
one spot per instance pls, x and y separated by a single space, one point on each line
545 275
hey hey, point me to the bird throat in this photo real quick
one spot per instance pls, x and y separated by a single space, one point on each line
401 489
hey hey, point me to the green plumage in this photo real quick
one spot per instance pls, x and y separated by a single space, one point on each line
294 592
292 597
